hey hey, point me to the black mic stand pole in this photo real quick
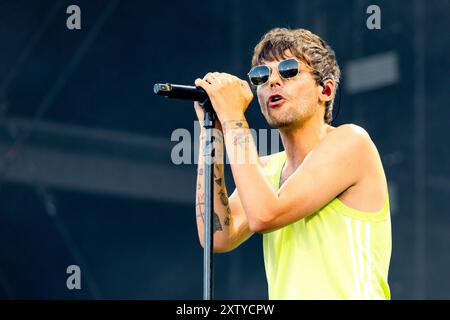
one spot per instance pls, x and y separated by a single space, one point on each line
208 225
196 94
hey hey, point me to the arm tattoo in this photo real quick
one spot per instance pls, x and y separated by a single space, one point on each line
223 198
199 206
219 181
226 221
217 172
234 124
217 225
200 213
241 138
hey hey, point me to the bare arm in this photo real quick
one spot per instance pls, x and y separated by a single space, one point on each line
337 163
230 222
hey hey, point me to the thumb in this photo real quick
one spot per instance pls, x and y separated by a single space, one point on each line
247 90
199 111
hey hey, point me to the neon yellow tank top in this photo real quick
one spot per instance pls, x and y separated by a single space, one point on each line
335 253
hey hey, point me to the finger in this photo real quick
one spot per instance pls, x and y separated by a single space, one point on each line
245 86
228 77
199 111
211 77
197 105
202 83
220 77
247 90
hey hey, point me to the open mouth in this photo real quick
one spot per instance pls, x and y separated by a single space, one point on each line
275 100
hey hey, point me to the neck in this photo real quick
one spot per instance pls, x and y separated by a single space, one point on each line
299 141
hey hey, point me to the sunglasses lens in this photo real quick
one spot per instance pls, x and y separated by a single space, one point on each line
288 68
259 75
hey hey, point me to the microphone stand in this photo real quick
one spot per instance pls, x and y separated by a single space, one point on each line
208 225
198 94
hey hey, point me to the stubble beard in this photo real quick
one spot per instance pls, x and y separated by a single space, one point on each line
290 117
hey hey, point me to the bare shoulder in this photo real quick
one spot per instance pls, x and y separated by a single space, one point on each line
368 194
351 131
356 142
350 138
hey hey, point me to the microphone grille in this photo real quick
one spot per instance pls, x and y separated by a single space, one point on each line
161 88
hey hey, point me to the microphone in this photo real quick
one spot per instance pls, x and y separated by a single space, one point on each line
177 91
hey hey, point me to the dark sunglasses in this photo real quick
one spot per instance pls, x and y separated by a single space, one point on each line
259 75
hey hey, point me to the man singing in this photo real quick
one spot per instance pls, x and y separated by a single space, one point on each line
322 204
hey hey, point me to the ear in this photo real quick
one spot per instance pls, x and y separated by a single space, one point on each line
326 93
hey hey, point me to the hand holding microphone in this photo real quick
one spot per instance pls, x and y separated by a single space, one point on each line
227 94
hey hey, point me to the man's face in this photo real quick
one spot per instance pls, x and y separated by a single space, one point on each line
299 97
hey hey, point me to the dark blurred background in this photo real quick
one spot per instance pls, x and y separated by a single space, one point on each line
86 176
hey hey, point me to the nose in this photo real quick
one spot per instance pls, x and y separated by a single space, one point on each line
274 79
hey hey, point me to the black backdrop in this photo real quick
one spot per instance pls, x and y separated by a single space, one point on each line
86 176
